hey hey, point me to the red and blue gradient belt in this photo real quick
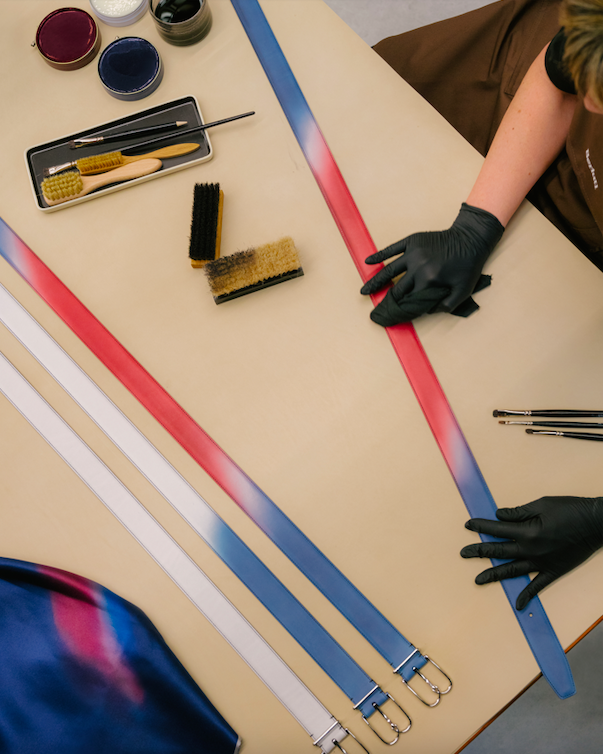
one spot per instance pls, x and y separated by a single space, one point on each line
366 696
404 657
473 489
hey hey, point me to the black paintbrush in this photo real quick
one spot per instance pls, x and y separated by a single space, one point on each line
195 130
575 435
563 425
137 133
546 412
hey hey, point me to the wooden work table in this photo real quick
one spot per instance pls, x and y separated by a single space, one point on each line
295 382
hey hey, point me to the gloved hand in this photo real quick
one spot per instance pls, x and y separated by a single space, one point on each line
551 535
442 268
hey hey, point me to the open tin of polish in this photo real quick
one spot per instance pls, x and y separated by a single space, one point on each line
181 22
68 38
119 12
130 68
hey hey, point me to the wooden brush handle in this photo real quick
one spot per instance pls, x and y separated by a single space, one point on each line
175 150
122 173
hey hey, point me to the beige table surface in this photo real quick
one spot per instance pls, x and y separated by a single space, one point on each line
295 382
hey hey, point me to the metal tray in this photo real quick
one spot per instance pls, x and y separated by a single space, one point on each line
57 152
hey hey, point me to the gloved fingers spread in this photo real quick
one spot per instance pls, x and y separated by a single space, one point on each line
391 311
383 277
536 585
500 550
500 529
389 251
505 571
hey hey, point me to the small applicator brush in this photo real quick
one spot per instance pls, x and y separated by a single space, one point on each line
206 224
101 163
248 271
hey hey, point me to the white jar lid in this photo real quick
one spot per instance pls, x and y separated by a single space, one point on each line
119 12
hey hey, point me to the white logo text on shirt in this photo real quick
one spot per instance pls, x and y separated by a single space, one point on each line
591 168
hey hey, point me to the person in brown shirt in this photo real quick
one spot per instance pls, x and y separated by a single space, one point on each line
521 80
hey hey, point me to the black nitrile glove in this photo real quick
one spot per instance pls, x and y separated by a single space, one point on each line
551 535
443 268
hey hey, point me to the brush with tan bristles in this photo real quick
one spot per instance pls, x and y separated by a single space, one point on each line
66 187
101 163
247 271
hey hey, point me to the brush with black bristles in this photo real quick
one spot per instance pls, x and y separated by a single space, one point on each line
206 224
247 271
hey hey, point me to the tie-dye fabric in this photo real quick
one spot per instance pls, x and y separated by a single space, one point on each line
85 671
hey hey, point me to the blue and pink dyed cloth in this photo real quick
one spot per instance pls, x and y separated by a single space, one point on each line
83 670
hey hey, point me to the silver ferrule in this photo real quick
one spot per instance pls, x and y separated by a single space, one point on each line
58 168
86 141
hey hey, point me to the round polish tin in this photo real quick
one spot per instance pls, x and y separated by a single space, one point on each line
181 22
119 12
68 38
130 68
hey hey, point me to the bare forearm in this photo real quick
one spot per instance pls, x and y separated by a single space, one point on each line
531 135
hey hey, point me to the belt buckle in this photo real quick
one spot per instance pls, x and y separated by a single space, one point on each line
349 732
392 725
432 686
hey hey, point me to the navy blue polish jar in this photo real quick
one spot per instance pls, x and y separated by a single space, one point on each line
130 68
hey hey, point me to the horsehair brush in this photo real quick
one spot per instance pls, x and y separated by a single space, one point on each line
206 223
247 271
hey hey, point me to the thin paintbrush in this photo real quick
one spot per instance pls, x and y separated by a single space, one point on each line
195 130
134 147
575 435
564 425
546 412
135 134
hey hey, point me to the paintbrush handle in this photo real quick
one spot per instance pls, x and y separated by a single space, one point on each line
575 435
135 134
561 425
196 130
547 412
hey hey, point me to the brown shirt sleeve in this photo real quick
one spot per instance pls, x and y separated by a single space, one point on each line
555 67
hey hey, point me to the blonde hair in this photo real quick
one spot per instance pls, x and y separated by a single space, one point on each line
583 22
